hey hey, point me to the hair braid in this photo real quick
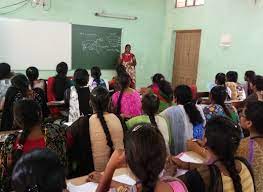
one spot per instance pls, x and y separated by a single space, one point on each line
20 146
231 168
105 129
118 111
152 119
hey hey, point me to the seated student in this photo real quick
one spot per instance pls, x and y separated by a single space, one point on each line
113 84
257 85
77 97
79 150
5 81
57 85
237 91
19 90
95 79
38 171
220 79
105 129
186 119
163 90
224 172
145 155
34 135
32 75
126 102
218 96
249 77
150 106
252 148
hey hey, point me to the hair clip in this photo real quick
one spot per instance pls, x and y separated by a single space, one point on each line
137 127
33 189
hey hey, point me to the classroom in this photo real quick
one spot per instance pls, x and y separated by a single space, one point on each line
110 95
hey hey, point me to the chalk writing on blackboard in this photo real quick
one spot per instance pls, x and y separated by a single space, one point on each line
100 44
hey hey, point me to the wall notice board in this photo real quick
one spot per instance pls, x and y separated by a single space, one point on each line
95 46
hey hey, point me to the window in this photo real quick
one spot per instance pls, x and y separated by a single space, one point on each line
188 3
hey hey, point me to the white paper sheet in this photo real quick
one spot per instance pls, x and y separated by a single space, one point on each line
124 179
87 187
188 158
68 123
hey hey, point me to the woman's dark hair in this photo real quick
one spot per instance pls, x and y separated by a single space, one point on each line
250 75
62 69
27 114
128 45
254 112
61 82
39 170
164 86
32 74
150 106
5 70
96 73
145 154
20 82
223 138
120 69
100 98
232 76
183 95
124 81
81 77
220 79
219 95
258 82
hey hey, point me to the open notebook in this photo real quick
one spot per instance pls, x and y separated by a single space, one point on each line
91 187
189 157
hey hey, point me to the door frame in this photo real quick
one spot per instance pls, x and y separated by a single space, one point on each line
174 32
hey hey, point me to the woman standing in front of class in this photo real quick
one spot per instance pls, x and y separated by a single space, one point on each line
128 60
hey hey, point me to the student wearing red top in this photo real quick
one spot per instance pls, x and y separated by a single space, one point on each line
128 60
28 118
57 86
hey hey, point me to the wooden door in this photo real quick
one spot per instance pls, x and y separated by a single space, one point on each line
186 57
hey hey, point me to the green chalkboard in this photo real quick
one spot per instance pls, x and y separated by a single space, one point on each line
95 46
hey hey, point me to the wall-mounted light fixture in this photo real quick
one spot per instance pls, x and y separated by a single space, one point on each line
115 16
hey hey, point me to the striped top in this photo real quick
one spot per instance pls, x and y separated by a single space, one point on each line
246 181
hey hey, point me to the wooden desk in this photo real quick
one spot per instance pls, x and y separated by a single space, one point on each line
238 104
83 180
122 171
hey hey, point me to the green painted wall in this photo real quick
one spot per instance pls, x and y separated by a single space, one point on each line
240 18
144 34
153 34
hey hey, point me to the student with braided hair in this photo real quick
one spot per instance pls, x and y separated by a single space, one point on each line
106 132
34 135
186 120
127 101
224 171
145 156
218 107
150 106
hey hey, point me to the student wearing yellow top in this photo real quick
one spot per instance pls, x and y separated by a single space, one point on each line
252 148
224 172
